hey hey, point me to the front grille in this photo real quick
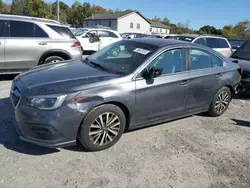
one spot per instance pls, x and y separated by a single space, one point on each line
15 95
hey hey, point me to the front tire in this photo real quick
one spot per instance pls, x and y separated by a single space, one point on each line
220 102
102 127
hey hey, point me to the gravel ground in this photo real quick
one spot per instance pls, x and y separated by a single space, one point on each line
198 151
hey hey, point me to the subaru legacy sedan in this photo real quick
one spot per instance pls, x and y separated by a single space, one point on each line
127 85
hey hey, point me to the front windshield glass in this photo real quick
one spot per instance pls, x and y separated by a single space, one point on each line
122 57
184 38
80 32
243 52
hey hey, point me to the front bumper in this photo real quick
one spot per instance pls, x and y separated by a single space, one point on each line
48 128
55 128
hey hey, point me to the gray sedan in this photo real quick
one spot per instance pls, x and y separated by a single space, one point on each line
126 85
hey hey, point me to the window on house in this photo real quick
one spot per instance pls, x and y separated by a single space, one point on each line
151 29
131 25
109 23
138 26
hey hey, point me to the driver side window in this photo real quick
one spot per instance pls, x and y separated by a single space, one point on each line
171 61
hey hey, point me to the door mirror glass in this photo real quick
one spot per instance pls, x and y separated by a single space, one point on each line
93 39
151 73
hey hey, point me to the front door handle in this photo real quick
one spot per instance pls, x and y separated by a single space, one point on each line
218 75
42 43
184 82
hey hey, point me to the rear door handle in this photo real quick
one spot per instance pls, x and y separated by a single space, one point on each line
218 75
42 43
184 82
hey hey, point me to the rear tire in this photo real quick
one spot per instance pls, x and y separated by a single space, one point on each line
102 127
220 102
53 59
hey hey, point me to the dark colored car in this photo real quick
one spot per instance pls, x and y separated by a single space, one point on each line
149 81
242 57
236 43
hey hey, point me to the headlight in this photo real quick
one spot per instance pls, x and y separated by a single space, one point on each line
49 102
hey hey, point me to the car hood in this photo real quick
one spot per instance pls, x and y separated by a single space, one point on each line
64 77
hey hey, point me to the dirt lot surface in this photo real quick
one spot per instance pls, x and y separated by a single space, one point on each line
198 151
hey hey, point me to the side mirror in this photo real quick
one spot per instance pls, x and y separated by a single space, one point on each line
151 73
93 39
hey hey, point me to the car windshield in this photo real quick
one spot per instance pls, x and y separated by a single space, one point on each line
80 32
122 57
184 38
243 52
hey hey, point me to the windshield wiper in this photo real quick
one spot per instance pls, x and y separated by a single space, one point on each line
95 64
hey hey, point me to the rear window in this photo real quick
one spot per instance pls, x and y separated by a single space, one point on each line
213 42
64 31
223 43
184 38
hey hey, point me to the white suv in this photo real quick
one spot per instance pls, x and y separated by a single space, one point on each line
105 36
218 43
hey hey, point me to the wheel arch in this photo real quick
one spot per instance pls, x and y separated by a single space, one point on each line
62 53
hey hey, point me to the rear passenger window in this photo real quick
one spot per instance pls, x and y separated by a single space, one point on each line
199 59
172 61
21 29
200 41
213 42
63 31
223 43
112 35
216 61
39 32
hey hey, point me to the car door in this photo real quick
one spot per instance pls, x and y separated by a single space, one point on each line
25 44
163 96
105 38
206 70
2 44
85 42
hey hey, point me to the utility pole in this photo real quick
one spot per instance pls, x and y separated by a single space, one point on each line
58 10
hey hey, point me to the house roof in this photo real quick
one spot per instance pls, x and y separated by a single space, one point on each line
112 16
159 25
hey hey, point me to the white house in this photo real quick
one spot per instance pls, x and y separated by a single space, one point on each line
159 28
120 21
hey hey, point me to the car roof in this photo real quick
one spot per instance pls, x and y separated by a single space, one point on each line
200 35
161 42
28 18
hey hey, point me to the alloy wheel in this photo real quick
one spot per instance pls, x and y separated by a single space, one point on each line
104 129
222 101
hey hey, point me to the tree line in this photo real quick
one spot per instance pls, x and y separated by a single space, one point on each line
75 14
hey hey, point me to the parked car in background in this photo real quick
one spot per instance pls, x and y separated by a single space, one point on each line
94 100
26 42
236 43
242 57
105 38
218 43
133 35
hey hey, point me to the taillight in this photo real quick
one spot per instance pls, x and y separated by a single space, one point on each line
231 49
76 44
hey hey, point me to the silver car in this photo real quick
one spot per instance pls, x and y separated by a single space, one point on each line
26 42
218 43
